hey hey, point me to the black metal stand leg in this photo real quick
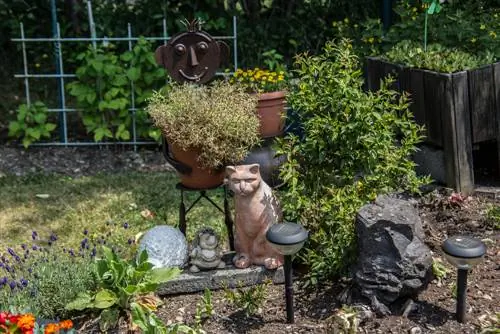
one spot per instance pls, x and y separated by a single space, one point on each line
461 294
289 289
182 215
228 221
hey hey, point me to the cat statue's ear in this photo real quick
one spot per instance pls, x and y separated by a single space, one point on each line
229 170
254 168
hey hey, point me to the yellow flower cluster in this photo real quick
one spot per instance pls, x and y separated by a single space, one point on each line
259 80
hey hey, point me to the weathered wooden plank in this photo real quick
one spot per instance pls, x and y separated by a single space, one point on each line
417 95
496 85
462 149
482 104
435 105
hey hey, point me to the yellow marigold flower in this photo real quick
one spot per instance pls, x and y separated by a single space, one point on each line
26 322
52 328
281 78
66 324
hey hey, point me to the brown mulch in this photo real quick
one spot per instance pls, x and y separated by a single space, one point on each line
319 310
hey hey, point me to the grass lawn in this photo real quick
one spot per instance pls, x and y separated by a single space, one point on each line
101 204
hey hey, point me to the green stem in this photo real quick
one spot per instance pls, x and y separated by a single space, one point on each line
425 31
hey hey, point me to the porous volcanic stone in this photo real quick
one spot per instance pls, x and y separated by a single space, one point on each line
166 246
393 261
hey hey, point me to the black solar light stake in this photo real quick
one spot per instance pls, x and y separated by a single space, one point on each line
287 239
463 252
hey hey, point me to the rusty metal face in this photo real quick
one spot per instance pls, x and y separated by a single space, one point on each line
192 56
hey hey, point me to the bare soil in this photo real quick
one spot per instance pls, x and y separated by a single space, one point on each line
318 310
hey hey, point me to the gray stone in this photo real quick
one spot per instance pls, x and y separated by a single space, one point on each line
393 262
229 276
166 246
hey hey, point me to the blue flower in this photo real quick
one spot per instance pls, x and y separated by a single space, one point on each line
130 241
23 246
53 237
34 235
125 225
12 285
34 247
85 232
11 251
24 282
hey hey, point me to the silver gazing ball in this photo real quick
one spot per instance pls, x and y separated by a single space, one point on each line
166 246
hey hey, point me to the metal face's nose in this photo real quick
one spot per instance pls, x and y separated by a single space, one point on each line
193 60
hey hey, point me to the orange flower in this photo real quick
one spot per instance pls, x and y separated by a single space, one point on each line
26 322
51 329
66 324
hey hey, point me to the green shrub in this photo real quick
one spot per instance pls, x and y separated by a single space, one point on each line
248 299
436 58
31 123
356 145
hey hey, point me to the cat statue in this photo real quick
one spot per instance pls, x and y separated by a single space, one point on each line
256 209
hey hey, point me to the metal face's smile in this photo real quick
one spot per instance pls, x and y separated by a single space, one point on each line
195 77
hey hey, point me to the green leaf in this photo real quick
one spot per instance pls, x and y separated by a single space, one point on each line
130 290
97 65
49 127
109 319
143 257
14 128
134 73
139 317
83 301
40 118
127 56
162 275
105 299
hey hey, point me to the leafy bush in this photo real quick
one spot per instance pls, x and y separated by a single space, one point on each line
218 120
125 289
31 124
103 90
356 145
437 57
43 279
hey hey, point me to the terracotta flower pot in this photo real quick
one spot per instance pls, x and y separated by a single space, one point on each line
193 176
271 111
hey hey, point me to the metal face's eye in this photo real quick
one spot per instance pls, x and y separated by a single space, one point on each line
180 49
202 47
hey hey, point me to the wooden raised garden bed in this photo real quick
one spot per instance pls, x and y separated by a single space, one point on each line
458 110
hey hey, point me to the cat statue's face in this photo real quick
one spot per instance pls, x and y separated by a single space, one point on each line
243 180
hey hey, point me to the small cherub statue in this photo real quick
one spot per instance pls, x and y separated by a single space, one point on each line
205 253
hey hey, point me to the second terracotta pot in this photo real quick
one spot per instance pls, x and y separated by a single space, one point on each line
271 111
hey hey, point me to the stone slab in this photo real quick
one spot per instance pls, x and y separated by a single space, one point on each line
230 277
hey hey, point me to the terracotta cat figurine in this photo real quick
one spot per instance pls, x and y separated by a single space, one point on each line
256 209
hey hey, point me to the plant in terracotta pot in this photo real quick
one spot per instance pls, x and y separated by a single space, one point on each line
206 127
270 88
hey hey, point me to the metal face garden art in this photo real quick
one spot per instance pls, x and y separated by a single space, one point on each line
192 56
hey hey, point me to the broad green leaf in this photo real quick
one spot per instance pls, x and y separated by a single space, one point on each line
139 317
40 118
130 290
143 257
127 56
134 73
14 128
97 65
83 301
105 299
431 8
50 127
162 275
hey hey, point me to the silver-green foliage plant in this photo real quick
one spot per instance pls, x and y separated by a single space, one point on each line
356 145
125 288
218 120
31 123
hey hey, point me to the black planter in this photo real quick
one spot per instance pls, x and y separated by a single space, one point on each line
457 109
269 163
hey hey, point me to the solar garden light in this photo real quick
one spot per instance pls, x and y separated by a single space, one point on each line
287 239
463 252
